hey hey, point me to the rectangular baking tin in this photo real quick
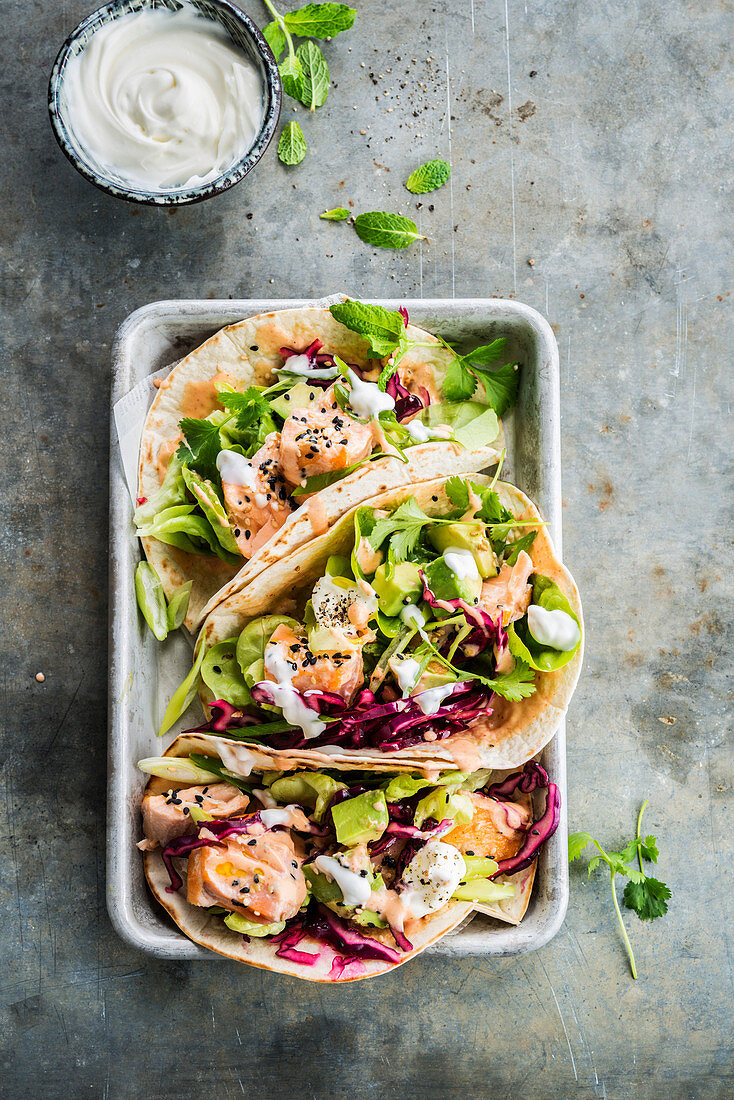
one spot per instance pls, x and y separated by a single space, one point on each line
143 673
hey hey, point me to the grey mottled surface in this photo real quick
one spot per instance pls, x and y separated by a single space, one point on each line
608 169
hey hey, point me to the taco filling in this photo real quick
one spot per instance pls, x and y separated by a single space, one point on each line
294 424
329 872
438 625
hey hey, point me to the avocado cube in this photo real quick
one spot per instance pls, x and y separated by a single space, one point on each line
360 819
472 537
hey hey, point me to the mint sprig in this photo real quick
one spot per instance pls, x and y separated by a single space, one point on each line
646 896
381 327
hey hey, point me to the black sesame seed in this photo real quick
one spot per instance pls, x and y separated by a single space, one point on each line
237 532
247 534
217 669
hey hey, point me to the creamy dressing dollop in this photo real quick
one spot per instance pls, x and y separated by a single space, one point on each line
163 100
555 629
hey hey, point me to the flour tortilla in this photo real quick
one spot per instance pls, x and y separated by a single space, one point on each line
525 727
211 931
247 354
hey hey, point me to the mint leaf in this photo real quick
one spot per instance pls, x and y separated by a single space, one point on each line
273 35
648 898
201 446
292 145
458 383
320 20
338 214
386 230
428 177
291 73
515 685
576 844
381 327
314 83
500 386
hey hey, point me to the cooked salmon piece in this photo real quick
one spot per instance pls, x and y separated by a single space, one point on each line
258 876
322 438
166 816
508 594
497 829
260 504
289 659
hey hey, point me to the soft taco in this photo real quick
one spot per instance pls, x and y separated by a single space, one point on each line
433 626
316 875
276 426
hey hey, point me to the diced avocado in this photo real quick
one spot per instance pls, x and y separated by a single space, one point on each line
311 789
396 586
323 640
297 398
360 819
434 676
471 537
367 917
240 924
446 585
323 889
441 803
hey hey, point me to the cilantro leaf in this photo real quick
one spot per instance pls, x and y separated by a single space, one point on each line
429 177
314 84
338 214
649 849
515 685
384 230
292 146
403 528
487 353
576 844
201 447
648 898
500 386
320 20
381 327
458 382
250 406
458 493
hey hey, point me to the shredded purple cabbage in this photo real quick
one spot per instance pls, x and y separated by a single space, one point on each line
287 940
532 777
404 314
224 717
406 403
487 630
325 925
317 357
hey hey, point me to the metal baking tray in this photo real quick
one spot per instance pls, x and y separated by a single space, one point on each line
143 673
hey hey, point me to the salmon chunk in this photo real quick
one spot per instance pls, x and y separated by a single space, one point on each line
259 504
258 876
507 596
289 659
322 438
496 831
166 816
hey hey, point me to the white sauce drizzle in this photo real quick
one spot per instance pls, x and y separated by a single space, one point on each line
273 817
163 100
413 616
422 433
264 797
430 700
367 399
355 888
460 562
285 696
301 364
406 672
555 629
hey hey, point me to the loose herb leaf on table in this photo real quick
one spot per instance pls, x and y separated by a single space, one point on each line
383 230
338 214
428 177
646 896
292 145
320 20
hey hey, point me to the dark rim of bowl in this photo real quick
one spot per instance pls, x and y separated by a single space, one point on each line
217 186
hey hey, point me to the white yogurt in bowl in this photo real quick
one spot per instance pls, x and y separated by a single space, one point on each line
160 101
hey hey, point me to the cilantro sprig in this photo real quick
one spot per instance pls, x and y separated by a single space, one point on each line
466 372
403 529
645 895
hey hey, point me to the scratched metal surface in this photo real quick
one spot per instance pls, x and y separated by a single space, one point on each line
608 169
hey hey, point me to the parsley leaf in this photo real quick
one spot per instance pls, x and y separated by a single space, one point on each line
292 146
381 327
338 214
383 230
320 20
201 447
429 177
648 898
515 685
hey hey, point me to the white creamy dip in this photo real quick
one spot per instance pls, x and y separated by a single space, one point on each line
367 399
461 562
556 629
163 100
